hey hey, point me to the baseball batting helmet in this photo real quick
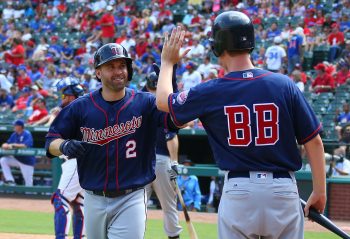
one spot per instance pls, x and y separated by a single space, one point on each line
232 31
111 51
70 86
152 80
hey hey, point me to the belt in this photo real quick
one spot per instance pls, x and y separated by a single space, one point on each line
113 194
233 174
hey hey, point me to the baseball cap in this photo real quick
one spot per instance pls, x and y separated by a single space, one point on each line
298 31
22 67
54 38
19 122
190 65
25 89
320 66
334 25
214 72
35 87
277 40
109 8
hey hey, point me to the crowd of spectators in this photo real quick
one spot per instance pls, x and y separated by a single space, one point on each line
42 42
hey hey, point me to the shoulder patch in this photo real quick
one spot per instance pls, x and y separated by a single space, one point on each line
182 97
248 74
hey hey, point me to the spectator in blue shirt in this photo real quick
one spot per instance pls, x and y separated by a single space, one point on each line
6 100
273 31
294 52
34 74
67 51
190 190
20 138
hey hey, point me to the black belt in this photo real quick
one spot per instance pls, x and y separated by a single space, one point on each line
233 174
113 194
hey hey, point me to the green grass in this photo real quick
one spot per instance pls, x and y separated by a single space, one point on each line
12 221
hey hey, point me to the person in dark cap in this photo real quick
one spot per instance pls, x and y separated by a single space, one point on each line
20 138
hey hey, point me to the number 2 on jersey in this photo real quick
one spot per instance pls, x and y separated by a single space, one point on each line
240 129
130 149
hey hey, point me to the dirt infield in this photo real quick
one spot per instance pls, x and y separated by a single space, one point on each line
44 205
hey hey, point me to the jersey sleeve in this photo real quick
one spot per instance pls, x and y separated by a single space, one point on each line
65 124
306 124
186 106
169 135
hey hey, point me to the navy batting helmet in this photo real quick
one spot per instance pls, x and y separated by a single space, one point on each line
70 86
232 31
111 51
152 80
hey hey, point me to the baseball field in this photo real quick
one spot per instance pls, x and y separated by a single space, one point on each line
22 218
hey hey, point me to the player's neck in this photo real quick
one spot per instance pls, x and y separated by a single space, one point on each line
232 63
109 95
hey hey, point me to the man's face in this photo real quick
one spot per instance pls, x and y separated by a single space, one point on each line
18 128
113 74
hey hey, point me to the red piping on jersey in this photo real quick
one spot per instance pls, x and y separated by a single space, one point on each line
117 121
253 78
105 113
172 111
311 135
53 134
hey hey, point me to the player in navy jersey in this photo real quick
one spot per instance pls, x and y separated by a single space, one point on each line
112 133
254 120
166 166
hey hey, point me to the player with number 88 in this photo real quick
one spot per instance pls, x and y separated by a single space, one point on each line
254 119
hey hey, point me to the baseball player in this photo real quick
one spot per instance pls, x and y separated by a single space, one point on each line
254 120
166 167
69 194
112 133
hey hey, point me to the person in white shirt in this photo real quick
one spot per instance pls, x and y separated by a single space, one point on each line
275 55
197 49
191 77
296 76
341 168
8 11
4 82
205 67
128 42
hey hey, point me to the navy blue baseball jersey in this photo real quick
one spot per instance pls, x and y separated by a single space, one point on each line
120 138
253 119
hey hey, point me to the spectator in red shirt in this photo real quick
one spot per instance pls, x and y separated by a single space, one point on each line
319 18
121 37
107 26
21 102
141 45
343 75
62 6
39 110
17 54
23 79
323 82
82 49
335 40
310 19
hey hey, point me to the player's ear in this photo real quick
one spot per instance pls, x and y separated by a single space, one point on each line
98 73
